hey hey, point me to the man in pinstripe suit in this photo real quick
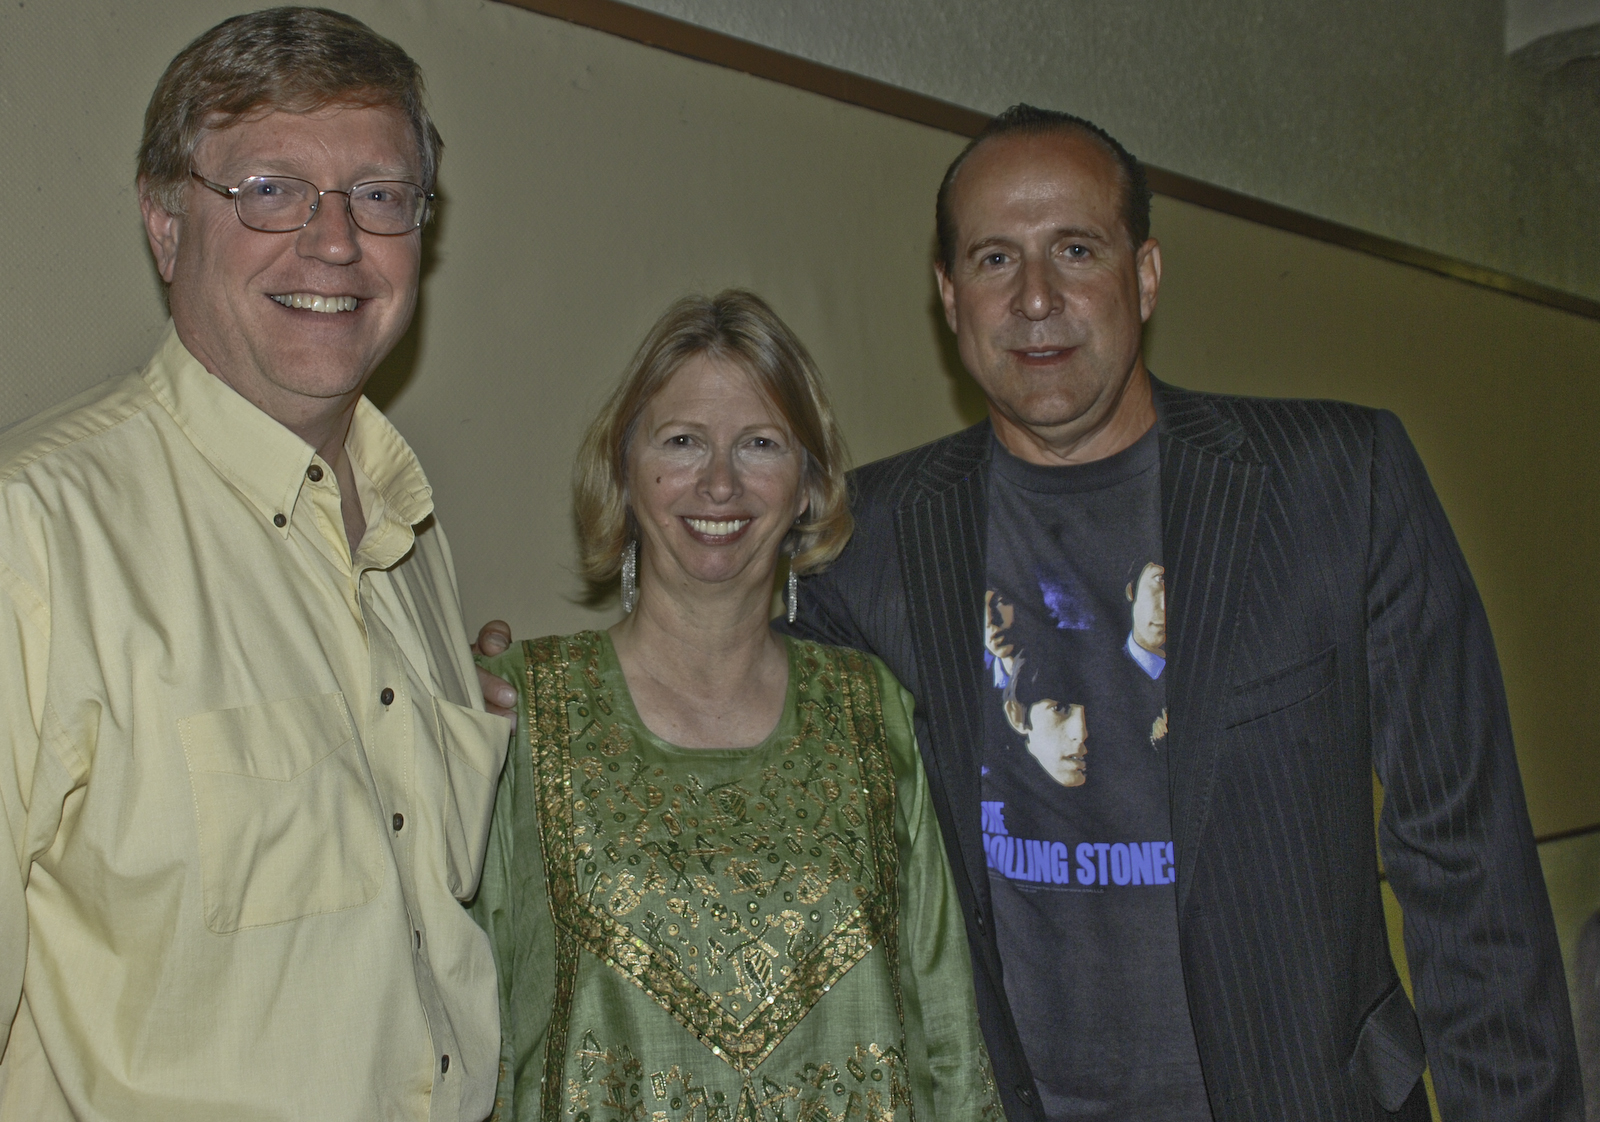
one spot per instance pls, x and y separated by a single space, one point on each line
1320 622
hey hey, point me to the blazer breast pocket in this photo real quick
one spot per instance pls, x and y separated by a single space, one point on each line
474 748
1281 689
288 821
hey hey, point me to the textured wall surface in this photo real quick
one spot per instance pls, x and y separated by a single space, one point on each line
1403 119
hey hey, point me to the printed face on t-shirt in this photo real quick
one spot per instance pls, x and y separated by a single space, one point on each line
1057 735
1149 596
998 615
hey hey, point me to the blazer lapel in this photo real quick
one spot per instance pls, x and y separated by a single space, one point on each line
1210 492
940 526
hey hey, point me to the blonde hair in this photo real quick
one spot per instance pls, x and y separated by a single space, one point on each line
737 327
293 59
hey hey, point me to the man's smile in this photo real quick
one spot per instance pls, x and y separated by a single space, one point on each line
1041 354
310 301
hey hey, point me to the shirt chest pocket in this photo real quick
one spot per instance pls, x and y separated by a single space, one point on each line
473 747
288 819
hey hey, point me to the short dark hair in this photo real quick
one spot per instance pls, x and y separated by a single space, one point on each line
1029 120
1136 571
293 59
1034 679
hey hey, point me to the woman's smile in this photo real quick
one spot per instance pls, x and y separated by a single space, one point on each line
716 531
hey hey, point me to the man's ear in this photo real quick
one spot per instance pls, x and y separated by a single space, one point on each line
1148 262
162 229
947 295
1016 715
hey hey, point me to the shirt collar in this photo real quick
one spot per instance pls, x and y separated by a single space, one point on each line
1150 662
265 461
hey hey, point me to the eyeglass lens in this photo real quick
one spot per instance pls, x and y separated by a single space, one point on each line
276 204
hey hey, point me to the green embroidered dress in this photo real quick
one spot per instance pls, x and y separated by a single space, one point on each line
764 934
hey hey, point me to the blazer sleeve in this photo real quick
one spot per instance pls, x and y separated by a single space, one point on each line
1457 845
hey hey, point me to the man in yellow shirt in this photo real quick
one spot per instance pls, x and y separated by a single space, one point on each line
247 777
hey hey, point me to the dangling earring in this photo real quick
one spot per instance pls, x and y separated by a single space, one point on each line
792 598
630 575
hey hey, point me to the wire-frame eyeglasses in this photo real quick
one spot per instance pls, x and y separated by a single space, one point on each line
278 204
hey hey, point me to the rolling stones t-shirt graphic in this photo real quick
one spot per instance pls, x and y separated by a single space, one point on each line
1075 804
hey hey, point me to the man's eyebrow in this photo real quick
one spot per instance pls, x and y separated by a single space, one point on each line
991 240
1083 233
1079 233
289 169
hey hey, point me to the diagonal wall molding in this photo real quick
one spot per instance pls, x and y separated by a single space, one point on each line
704 45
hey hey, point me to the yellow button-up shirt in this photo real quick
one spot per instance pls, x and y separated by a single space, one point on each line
246 775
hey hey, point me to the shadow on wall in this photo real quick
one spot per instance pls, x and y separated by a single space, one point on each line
395 372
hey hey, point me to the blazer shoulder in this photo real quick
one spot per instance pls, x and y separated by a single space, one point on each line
1269 429
894 480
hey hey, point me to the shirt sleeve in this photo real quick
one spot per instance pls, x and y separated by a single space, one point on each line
935 966
24 652
511 906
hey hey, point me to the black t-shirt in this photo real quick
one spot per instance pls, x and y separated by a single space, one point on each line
1076 814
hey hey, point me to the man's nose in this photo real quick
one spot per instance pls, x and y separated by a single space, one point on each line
1038 297
332 234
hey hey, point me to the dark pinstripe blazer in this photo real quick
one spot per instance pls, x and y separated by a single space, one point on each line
1321 621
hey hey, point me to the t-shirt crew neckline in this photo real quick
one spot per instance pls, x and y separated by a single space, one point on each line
615 681
1136 459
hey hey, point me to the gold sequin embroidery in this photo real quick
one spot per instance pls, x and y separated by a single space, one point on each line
735 906
871 1086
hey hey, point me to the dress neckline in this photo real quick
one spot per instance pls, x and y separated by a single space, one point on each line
616 684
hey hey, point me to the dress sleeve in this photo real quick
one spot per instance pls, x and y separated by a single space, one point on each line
511 908
949 1063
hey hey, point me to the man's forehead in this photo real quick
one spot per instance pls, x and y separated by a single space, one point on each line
1040 166
378 138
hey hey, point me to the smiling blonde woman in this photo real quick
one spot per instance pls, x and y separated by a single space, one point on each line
715 885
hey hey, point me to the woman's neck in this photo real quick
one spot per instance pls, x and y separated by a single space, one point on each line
704 667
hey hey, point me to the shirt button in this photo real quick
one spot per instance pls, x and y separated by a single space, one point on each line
977 919
279 521
387 696
399 821
314 473
444 1065
1024 1092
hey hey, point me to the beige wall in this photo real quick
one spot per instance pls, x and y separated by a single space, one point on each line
588 181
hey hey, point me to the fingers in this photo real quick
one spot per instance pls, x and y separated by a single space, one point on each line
498 696
493 638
